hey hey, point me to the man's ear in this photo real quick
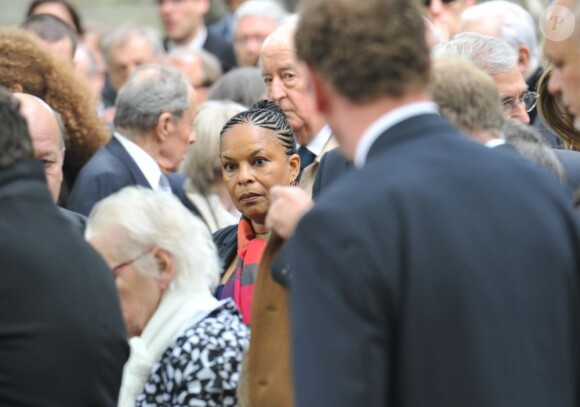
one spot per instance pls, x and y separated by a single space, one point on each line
166 267
524 56
164 125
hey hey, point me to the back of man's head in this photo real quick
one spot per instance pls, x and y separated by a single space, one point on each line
467 97
15 142
493 55
365 49
150 91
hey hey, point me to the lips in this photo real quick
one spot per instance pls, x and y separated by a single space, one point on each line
249 197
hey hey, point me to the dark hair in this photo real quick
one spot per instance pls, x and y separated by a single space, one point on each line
50 28
15 142
71 10
267 115
366 49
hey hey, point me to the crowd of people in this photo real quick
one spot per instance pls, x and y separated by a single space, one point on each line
354 203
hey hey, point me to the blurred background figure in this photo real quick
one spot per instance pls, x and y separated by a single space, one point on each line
224 28
184 25
58 8
53 34
241 85
445 14
254 21
199 66
202 166
126 48
186 346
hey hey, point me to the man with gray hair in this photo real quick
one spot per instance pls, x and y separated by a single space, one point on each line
125 49
253 22
154 126
500 61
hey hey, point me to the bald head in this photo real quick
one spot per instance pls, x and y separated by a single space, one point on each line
47 138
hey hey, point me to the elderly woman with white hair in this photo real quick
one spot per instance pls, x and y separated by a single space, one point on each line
186 346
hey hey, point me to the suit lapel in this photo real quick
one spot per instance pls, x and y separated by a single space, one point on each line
117 149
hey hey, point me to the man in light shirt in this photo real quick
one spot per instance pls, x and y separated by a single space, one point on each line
154 118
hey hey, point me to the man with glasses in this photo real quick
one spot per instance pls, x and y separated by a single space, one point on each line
445 14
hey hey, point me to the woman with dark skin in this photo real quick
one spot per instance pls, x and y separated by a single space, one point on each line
257 151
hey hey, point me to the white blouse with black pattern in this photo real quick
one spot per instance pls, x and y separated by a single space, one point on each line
202 366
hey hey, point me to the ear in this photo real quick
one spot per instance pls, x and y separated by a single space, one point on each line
164 126
523 58
294 164
319 89
166 266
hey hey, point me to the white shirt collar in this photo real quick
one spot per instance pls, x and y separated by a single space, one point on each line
385 122
195 44
495 142
144 161
317 144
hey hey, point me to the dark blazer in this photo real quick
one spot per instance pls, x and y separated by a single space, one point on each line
226 241
439 274
62 336
571 162
110 170
332 165
76 220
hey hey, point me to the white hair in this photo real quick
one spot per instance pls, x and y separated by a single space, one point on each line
260 8
136 219
124 33
515 25
493 55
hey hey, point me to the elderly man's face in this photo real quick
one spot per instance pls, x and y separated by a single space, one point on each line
128 56
286 84
445 14
564 81
182 19
139 294
511 85
250 33
178 137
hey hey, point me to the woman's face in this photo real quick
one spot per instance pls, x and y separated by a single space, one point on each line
253 160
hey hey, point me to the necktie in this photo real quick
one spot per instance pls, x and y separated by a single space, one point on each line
306 157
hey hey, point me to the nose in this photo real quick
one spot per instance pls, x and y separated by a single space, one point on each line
520 114
276 91
245 174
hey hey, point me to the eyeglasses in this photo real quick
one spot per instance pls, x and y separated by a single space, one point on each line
427 3
120 266
529 99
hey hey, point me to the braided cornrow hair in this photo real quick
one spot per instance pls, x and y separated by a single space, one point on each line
267 115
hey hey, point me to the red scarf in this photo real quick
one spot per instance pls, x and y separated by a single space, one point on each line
250 250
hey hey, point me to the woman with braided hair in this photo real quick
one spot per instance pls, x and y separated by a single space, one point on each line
257 151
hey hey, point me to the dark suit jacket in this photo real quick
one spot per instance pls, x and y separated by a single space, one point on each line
62 336
76 220
110 170
571 162
332 165
440 274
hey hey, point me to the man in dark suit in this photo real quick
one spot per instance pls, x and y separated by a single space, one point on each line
184 27
62 338
436 273
154 127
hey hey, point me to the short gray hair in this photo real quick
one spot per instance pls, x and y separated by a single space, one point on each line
124 33
531 145
150 91
514 23
493 55
260 8
200 163
136 219
241 85
211 69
